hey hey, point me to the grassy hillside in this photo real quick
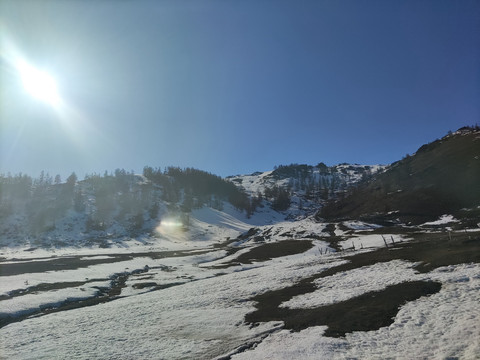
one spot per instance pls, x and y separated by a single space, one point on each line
441 177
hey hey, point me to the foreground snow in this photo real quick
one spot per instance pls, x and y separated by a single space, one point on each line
205 318
200 319
444 325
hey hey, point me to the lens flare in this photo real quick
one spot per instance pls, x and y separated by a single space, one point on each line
172 227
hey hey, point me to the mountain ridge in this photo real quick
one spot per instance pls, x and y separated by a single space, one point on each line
440 177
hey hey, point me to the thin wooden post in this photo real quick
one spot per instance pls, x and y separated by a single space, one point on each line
385 241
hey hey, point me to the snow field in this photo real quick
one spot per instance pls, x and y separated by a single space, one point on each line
185 269
443 325
200 319
204 316
164 272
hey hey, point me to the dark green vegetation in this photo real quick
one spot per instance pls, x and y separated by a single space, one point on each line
375 309
199 188
440 178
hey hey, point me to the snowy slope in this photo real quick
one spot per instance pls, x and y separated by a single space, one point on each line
344 174
309 185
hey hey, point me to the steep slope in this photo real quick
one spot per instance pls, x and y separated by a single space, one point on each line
442 177
307 187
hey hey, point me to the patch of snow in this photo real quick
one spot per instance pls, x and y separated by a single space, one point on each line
444 219
360 225
96 257
370 241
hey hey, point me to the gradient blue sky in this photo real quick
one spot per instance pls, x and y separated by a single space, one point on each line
234 86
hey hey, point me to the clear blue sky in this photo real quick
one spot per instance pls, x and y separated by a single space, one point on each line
234 86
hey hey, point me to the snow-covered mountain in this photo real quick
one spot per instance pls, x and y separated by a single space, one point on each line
306 178
308 186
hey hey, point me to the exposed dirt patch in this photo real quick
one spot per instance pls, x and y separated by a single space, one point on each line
56 264
372 310
47 287
269 251
367 312
274 250
16 267
432 252
144 285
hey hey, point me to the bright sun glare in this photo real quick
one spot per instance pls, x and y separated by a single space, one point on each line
39 84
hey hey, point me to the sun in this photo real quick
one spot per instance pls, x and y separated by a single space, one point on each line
39 84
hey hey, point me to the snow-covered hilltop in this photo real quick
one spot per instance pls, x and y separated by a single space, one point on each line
307 186
306 179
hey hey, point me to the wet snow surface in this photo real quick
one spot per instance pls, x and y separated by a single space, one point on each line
186 296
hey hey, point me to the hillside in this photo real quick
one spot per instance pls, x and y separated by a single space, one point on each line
442 177
305 187
103 210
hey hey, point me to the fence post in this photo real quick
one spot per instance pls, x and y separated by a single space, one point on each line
385 241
